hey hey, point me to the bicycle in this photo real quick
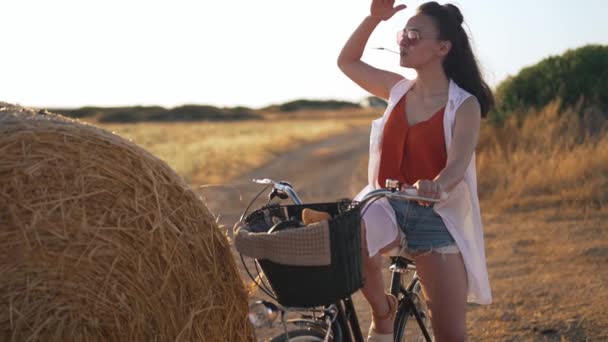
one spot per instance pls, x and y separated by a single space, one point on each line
337 321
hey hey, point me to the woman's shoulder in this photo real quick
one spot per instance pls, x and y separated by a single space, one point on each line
458 94
400 87
469 105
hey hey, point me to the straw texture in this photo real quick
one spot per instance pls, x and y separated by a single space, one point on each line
100 241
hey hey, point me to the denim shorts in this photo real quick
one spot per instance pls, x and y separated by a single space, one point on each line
423 228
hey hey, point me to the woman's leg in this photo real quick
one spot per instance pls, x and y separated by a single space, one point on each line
444 284
373 287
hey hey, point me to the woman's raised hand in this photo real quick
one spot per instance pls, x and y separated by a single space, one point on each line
383 9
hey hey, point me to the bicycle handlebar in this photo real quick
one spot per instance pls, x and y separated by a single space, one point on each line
407 195
391 191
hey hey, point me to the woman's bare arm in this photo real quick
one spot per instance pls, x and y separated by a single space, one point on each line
466 134
376 81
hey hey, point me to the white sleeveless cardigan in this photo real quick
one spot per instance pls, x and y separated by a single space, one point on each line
460 211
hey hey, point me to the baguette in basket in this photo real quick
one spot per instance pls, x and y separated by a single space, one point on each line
312 216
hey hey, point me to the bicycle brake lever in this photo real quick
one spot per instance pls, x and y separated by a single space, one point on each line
286 183
262 181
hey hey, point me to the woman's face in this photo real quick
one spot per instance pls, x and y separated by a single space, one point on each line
419 44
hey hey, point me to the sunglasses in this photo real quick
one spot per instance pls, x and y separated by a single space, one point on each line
407 37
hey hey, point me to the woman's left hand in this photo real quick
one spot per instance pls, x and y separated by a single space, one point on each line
428 188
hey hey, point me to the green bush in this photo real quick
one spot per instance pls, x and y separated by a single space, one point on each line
577 75
82 112
159 114
293 106
130 114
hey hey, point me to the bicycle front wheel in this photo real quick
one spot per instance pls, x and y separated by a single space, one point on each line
301 335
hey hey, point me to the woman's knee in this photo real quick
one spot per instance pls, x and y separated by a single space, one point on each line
450 332
449 322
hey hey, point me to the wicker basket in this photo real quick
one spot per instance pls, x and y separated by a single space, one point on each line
309 286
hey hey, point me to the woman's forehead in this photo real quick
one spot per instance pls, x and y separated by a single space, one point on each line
420 22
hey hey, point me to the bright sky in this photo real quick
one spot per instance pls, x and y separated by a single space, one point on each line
64 53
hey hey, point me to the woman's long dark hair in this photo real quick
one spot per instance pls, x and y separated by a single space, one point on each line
460 64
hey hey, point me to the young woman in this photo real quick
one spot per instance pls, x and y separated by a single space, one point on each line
426 139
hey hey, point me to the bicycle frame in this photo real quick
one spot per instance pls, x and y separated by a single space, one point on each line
406 302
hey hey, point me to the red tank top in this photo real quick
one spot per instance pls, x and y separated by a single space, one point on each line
411 153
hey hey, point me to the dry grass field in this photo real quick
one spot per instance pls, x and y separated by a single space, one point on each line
213 152
545 159
543 184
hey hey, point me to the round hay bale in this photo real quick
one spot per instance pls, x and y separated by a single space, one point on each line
101 240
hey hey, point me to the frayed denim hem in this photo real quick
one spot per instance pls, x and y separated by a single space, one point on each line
450 248
443 250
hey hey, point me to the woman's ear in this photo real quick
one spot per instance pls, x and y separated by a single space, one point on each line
444 47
